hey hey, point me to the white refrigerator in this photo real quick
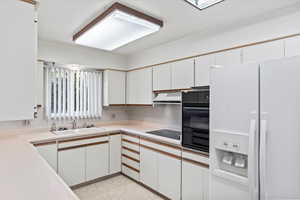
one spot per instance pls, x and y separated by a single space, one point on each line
255 131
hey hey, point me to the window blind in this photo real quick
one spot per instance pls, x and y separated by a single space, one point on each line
72 94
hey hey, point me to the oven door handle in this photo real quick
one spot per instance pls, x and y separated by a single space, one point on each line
196 108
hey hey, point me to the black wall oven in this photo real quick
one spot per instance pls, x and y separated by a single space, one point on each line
195 119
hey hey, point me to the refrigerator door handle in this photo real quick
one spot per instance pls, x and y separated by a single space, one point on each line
263 161
252 156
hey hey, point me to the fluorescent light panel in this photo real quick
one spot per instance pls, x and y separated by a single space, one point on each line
202 4
116 29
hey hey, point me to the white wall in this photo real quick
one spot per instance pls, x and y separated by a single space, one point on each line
75 54
196 43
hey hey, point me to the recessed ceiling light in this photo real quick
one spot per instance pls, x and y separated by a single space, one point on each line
115 27
202 4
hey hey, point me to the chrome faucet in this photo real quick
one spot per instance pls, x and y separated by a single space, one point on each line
74 124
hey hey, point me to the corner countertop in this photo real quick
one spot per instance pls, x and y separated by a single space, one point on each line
26 175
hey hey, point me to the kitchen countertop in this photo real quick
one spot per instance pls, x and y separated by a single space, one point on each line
26 175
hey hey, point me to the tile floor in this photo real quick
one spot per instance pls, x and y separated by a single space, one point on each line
116 188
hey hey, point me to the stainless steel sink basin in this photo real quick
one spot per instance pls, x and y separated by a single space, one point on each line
79 131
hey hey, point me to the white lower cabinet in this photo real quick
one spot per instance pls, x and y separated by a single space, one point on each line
160 168
115 154
71 166
97 161
194 182
49 152
169 170
83 160
149 168
169 176
131 156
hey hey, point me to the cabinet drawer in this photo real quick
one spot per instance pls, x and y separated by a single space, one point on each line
135 163
162 147
132 154
130 145
132 138
194 156
81 141
134 174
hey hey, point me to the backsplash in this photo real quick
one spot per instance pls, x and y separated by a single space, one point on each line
108 115
169 115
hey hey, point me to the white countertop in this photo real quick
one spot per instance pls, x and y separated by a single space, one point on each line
25 175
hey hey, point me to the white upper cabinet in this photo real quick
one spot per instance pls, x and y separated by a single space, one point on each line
233 57
18 60
183 74
202 67
162 77
263 52
139 86
114 87
292 46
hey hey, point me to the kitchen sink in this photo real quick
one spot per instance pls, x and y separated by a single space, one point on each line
79 131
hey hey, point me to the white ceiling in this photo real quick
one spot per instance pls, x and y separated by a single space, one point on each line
60 19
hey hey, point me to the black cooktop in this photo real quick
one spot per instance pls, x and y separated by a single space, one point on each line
167 133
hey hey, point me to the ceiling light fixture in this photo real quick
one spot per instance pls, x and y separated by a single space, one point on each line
115 27
202 4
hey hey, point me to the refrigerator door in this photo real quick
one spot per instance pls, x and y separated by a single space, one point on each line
234 113
280 129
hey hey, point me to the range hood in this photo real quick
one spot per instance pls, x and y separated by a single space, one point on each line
167 98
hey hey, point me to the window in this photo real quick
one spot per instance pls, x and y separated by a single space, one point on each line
72 93
202 4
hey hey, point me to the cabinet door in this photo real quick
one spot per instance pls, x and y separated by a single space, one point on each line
205 183
193 182
49 153
39 84
139 86
183 74
233 57
263 52
115 153
96 161
202 67
292 46
132 87
169 176
71 165
149 168
114 87
18 60
162 77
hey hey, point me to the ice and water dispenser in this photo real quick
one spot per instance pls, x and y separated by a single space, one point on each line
231 153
